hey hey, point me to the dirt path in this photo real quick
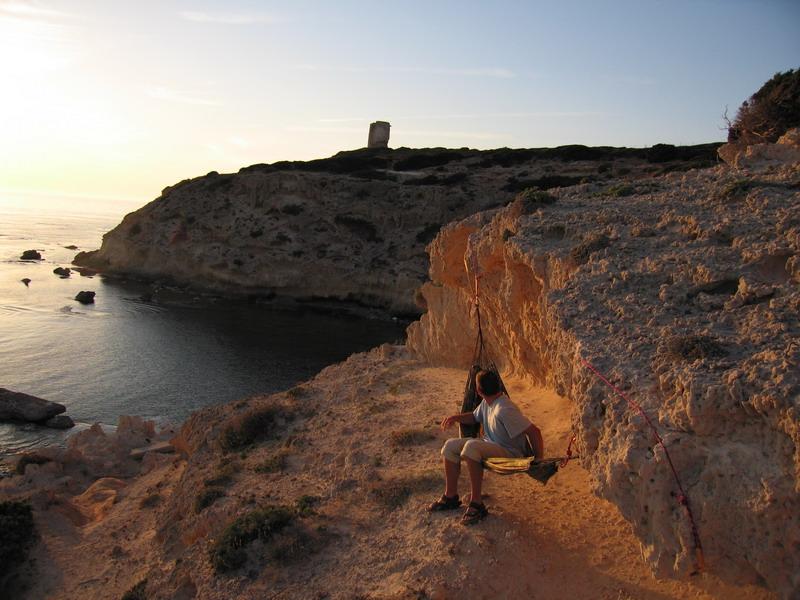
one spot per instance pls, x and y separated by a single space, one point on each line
365 445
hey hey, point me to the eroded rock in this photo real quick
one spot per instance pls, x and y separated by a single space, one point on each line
16 406
31 255
699 328
85 297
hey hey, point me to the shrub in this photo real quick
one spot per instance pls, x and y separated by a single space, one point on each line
251 427
305 505
531 199
770 112
150 501
274 463
229 550
580 253
207 497
223 475
137 592
620 190
18 532
693 347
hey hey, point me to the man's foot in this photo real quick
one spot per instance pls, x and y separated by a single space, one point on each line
475 512
445 503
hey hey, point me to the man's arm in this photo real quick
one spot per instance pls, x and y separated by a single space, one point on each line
535 438
466 418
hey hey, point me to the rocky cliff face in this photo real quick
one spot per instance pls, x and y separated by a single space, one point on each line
352 228
685 292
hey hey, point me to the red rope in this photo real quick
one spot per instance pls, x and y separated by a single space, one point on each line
682 498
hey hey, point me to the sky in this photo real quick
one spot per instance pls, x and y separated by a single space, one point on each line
115 100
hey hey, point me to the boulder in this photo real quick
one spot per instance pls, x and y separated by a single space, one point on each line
26 281
31 255
60 422
16 406
71 247
85 297
786 151
62 272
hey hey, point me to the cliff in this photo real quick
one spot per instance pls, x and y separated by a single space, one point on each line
349 230
684 292
681 287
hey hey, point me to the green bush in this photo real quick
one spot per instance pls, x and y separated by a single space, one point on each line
770 112
532 198
305 505
229 550
17 532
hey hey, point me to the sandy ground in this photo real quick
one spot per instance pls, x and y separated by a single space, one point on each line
553 541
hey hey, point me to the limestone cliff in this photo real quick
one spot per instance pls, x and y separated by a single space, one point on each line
351 228
685 292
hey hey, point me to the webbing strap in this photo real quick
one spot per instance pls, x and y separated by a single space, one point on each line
682 498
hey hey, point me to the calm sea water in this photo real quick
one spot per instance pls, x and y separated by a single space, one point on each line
126 356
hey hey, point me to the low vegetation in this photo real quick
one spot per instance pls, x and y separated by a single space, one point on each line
411 437
770 112
693 347
254 426
229 550
393 493
531 199
274 463
137 592
17 533
214 487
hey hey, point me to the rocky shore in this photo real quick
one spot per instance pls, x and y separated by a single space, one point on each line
349 230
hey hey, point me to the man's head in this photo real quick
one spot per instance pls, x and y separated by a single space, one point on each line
488 383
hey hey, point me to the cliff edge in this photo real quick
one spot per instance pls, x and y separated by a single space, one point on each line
349 230
685 292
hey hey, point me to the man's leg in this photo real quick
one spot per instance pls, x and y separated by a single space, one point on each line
475 469
451 451
474 452
451 472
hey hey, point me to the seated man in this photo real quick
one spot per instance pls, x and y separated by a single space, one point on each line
505 429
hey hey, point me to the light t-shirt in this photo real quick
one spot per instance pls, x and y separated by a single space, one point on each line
503 424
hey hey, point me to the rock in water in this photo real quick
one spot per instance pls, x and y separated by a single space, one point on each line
16 406
31 255
85 297
62 272
71 247
60 422
26 281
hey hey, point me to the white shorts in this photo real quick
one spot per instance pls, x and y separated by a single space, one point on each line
455 449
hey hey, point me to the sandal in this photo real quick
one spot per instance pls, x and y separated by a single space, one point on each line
444 503
475 512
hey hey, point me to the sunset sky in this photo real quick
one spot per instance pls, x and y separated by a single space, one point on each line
117 100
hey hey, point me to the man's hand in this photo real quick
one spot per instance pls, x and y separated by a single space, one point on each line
448 422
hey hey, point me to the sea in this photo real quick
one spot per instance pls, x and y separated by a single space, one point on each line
128 354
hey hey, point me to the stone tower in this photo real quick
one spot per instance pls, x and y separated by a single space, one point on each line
378 135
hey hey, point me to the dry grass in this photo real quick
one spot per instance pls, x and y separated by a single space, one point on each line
274 463
393 493
254 426
411 437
